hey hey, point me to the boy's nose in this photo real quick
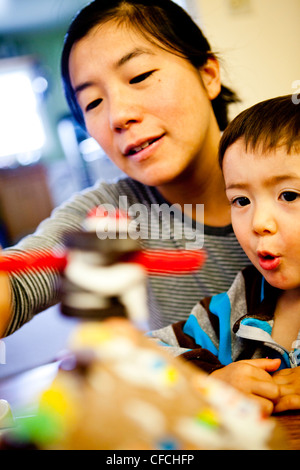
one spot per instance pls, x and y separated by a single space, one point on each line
264 223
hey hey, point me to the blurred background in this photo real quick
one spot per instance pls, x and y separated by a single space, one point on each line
44 158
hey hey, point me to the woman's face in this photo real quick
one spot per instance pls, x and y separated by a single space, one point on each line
147 108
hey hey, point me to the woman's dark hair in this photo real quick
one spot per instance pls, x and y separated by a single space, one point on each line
161 21
266 125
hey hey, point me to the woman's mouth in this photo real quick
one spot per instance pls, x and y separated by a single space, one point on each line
268 261
132 150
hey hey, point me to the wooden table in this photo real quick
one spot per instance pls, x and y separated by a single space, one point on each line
290 424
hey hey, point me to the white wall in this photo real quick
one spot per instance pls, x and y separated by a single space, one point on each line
258 43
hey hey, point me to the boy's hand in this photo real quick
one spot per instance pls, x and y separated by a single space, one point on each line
253 378
288 381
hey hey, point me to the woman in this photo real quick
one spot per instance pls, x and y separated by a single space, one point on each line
140 77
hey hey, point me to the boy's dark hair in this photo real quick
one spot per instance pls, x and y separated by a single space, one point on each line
161 21
267 125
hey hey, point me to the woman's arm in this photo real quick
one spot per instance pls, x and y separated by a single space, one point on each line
34 291
5 304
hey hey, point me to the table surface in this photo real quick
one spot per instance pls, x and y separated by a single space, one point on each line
290 424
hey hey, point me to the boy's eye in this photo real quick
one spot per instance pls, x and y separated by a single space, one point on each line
141 77
93 104
289 196
240 201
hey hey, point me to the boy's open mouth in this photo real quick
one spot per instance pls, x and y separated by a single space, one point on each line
268 261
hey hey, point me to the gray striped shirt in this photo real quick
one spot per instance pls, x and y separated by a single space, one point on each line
171 297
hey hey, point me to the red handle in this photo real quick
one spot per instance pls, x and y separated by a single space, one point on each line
160 262
168 261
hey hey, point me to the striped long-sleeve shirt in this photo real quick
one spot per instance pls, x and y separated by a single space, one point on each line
230 326
171 297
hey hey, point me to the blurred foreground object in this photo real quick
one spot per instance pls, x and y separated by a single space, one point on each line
103 270
118 391
106 270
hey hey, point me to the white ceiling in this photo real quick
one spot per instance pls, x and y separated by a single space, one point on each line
24 15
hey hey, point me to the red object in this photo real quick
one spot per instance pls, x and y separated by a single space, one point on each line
159 262
34 261
101 212
163 262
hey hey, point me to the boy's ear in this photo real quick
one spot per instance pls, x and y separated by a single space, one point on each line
210 74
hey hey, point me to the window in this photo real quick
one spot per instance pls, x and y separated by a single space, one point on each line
181 3
22 134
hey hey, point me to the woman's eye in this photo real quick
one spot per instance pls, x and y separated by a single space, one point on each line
240 201
93 104
289 196
141 77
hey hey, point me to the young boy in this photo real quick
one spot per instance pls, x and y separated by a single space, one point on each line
248 336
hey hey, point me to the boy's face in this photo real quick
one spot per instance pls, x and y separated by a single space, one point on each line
264 193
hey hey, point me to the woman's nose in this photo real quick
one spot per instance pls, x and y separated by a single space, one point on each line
123 112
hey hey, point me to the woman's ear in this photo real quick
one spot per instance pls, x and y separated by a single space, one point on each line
210 74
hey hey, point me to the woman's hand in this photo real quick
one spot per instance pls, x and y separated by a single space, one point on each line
253 378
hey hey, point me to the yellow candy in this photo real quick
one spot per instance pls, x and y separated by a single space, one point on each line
208 416
57 400
91 335
171 375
